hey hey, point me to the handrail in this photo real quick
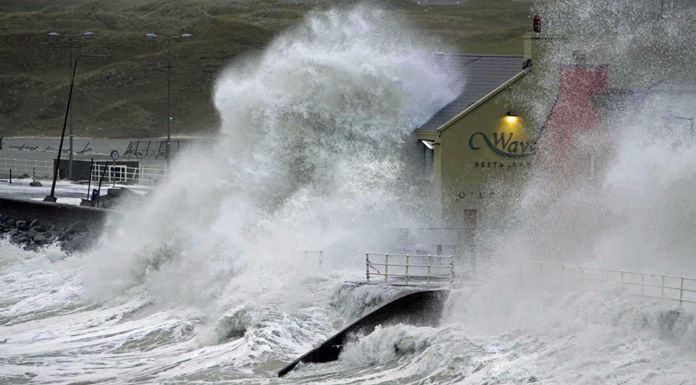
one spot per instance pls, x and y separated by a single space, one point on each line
126 174
639 280
39 168
425 267
414 255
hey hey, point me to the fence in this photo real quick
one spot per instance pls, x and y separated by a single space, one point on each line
26 167
649 285
406 268
122 174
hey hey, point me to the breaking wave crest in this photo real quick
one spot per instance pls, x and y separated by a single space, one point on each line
311 155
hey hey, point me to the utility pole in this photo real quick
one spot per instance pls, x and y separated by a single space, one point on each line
169 103
154 36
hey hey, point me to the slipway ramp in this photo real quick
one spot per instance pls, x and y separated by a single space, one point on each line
420 308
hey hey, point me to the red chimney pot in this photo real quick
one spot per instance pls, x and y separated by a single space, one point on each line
536 24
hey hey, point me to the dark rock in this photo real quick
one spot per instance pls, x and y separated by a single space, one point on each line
76 228
33 236
35 183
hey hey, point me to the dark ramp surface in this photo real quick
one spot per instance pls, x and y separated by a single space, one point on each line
420 308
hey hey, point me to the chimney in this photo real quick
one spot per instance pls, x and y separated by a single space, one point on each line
529 41
574 113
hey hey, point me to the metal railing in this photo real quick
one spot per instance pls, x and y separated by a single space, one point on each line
649 285
407 268
26 167
122 174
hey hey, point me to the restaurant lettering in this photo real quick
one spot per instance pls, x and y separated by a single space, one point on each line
502 143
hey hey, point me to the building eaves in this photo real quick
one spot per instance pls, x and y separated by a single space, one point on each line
483 74
438 130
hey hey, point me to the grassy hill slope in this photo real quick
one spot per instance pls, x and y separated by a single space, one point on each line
124 95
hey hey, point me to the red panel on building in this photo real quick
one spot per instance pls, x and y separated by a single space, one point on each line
574 112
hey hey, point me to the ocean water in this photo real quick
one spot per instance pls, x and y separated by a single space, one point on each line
499 331
208 284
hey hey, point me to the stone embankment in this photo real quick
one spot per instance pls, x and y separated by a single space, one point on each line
35 234
34 224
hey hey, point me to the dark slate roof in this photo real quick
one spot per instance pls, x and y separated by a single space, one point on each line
481 74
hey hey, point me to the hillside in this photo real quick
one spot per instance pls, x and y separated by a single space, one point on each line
124 94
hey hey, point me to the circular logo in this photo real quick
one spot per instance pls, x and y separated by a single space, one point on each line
114 155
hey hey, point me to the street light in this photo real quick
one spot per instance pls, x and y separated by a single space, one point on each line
154 36
70 39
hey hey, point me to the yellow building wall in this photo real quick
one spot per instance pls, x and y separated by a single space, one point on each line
481 162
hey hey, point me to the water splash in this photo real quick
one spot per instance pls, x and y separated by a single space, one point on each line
313 154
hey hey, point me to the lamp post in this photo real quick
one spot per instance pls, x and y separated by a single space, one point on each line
154 36
71 40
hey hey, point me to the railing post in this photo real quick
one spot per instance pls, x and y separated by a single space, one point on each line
642 284
407 269
10 176
451 267
386 267
367 267
681 292
430 264
662 287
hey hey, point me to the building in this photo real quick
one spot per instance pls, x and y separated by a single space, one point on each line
479 144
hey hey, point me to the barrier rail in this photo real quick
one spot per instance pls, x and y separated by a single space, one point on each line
22 167
649 285
116 173
407 268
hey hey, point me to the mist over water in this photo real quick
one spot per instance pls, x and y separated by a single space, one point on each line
617 197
